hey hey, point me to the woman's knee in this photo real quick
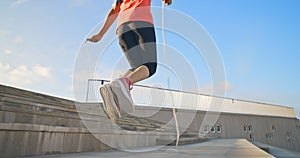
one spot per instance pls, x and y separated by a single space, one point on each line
152 67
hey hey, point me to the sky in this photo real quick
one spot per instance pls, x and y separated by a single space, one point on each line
258 42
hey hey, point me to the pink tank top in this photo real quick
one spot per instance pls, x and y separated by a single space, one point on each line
135 10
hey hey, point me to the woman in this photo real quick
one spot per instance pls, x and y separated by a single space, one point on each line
136 36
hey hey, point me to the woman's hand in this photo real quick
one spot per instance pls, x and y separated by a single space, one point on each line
167 2
95 38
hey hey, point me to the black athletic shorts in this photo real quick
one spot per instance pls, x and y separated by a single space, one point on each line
138 42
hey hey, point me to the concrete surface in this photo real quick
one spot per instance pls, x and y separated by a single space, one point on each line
278 152
225 148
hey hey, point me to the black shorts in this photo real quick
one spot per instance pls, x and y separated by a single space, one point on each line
138 42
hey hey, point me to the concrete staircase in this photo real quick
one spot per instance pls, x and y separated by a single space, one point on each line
37 124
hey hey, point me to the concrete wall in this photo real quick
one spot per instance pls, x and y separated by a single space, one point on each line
273 130
26 139
276 131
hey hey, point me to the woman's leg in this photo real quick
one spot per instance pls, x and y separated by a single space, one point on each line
137 39
140 50
139 74
126 74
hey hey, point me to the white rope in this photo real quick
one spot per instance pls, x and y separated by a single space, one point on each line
165 57
87 51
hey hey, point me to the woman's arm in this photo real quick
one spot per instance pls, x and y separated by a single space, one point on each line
110 19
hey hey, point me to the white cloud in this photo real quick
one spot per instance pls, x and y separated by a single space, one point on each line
8 51
24 75
18 2
44 72
18 39
9 37
4 35
4 68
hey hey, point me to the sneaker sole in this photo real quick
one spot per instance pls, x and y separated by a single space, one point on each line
124 100
109 106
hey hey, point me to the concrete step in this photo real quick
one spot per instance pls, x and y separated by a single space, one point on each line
182 140
19 94
132 123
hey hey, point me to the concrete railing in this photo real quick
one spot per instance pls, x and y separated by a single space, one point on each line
167 98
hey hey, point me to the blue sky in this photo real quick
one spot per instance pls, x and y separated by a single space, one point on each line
258 41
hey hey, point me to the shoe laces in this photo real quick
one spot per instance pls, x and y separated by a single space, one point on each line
130 87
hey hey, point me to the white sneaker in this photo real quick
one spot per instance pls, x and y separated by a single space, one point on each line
122 90
110 104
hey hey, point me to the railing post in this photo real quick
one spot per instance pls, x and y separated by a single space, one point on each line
87 92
